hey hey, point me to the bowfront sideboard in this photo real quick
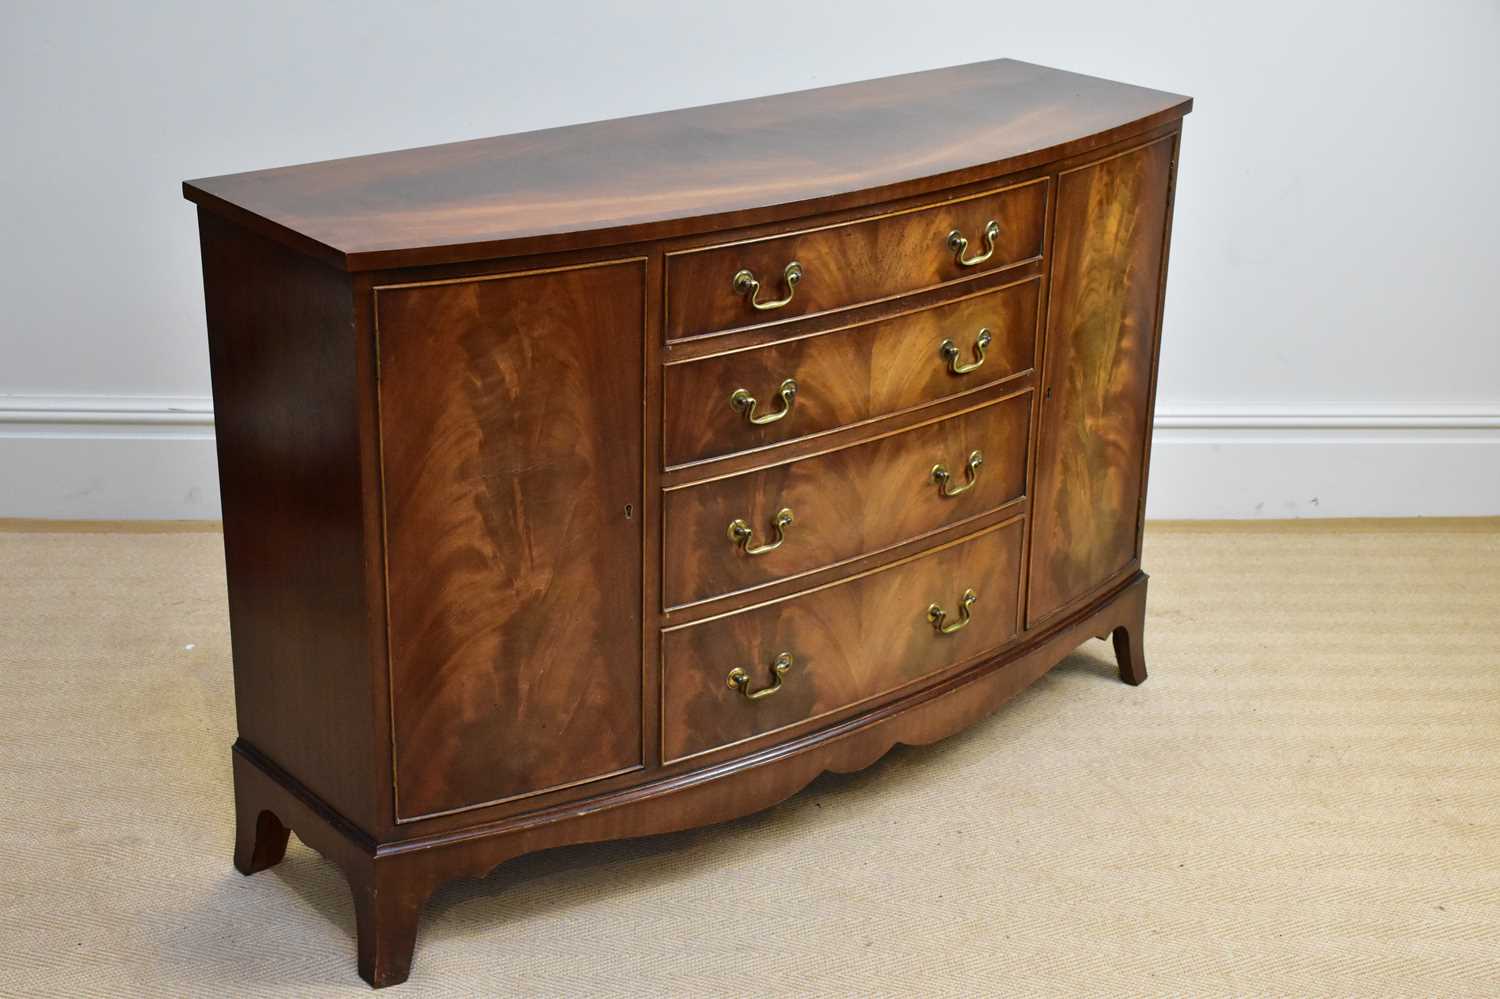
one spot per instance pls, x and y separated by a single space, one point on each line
621 478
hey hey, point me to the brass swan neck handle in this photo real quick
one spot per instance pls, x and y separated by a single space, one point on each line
745 283
936 616
949 351
742 400
740 680
958 244
944 478
741 533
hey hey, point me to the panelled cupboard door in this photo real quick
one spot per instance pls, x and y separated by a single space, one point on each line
510 411
1099 356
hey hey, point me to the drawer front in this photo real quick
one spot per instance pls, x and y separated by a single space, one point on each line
840 644
843 503
852 262
848 376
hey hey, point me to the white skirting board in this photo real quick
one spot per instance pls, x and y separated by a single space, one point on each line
108 458
1269 462
100 458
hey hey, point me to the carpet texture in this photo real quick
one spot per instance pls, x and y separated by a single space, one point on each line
1303 799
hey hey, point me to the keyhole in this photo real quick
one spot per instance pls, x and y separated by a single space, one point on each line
629 509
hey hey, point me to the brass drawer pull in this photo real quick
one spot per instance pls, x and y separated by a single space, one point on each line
743 401
936 615
949 350
746 284
741 533
740 680
944 478
958 244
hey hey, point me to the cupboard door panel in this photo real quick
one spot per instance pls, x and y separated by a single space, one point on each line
1098 361
511 446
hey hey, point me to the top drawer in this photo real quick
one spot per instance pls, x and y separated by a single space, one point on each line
734 285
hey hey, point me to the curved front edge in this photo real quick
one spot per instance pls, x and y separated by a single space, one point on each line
390 883
739 787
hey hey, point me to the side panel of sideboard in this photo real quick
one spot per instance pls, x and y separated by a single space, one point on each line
1098 374
284 355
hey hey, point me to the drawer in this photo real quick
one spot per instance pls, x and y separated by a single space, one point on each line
842 503
849 375
734 285
838 645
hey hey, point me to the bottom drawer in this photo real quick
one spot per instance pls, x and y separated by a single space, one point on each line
778 664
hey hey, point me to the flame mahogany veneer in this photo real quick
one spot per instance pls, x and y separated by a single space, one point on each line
502 537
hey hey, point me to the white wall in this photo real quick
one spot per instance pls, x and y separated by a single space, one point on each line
1329 349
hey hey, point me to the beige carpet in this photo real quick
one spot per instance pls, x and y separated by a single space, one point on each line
1304 799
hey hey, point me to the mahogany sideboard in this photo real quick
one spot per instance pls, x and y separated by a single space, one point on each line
620 478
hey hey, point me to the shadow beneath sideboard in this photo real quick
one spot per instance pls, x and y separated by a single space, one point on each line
544 887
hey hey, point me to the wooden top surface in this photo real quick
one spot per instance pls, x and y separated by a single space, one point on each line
678 172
